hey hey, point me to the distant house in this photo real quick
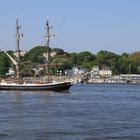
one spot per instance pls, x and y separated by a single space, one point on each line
22 53
52 54
75 71
10 72
103 72
68 72
95 71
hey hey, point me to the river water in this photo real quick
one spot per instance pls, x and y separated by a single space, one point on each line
86 112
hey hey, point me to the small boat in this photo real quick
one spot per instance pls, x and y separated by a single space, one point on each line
25 85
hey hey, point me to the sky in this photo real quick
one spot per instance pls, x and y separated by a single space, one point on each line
78 25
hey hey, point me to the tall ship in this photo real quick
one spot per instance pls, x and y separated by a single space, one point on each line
19 83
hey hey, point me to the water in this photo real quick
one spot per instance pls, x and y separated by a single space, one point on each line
86 112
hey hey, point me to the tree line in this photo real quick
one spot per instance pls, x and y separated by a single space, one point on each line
125 63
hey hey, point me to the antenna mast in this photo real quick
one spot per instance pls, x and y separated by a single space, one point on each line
18 37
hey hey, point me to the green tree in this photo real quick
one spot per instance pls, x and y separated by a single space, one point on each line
26 70
79 59
73 59
58 51
4 64
36 54
135 59
125 65
106 58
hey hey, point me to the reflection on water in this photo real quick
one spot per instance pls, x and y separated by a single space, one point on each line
86 112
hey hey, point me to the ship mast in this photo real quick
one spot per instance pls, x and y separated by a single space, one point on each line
47 44
18 37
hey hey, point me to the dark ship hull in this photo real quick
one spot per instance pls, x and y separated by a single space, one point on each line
34 87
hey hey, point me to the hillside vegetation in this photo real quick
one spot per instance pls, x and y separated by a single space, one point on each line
120 64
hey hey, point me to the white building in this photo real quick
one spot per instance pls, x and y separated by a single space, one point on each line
75 71
105 72
10 72
95 69
22 53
